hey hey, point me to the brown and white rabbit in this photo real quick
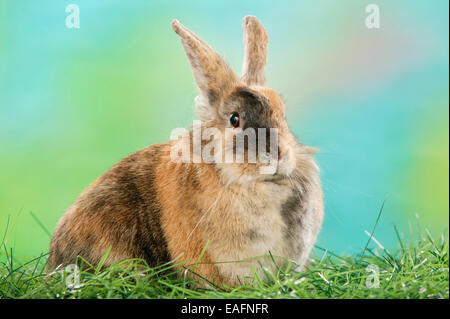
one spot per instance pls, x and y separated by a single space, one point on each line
148 206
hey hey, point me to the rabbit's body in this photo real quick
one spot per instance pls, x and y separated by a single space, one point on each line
149 206
135 209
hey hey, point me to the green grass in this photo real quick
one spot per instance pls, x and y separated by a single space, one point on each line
418 269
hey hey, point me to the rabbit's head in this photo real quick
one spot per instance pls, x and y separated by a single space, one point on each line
237 106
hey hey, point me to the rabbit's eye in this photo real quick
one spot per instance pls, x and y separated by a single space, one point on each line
234 119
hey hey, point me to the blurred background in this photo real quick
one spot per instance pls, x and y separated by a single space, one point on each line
73 102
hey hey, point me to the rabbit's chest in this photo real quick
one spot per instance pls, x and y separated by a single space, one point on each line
263 220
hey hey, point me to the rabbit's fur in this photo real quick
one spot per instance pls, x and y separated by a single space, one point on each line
148 206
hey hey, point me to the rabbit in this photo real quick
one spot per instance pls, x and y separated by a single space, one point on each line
223 220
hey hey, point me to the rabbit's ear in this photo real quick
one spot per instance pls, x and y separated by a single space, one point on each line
255 51
212 74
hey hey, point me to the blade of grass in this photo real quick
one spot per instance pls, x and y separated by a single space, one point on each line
6 231
399 238
103 259
40 224
374 227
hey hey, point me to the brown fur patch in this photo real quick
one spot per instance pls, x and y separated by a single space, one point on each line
121 209
183 208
